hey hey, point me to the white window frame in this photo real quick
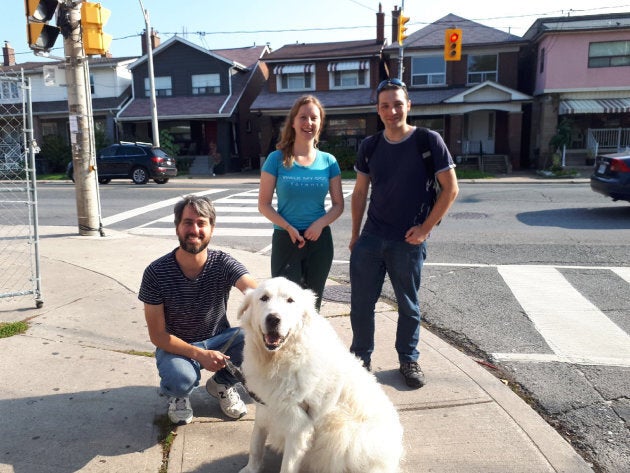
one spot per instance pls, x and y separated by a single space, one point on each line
433 79
206 84
478 77
296 81
9 90
349 75
163 86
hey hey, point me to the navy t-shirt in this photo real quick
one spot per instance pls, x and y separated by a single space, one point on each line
401 194
194 309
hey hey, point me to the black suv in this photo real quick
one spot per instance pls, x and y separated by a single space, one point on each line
136 161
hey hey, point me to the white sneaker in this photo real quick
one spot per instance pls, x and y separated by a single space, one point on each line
179 410
231 403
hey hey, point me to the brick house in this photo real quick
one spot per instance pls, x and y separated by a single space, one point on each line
475 103
342 75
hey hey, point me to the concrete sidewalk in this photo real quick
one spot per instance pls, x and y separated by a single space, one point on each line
79 394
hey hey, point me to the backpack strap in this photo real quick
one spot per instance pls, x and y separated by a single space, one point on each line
370 145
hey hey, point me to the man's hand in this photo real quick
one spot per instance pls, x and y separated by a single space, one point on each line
416 235
211 360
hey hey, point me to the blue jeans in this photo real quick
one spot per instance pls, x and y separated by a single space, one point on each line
371 258
179 375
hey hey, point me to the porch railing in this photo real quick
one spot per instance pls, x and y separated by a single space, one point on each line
613 139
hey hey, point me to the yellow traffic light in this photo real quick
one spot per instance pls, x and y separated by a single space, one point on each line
402 28
453 44
40 35
93 17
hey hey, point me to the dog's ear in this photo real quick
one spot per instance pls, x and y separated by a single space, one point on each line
244 308
309 306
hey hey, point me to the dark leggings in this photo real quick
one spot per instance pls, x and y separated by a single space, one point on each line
307 266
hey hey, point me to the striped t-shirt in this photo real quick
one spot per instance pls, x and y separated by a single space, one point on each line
195 309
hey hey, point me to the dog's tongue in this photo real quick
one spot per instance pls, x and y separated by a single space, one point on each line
272 339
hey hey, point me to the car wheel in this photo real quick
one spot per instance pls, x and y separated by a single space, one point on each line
139 175
163 180
104 180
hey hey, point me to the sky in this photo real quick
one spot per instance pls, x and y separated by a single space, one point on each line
219 24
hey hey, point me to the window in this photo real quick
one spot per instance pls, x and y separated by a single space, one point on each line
428 71
345 126
609 54
205 84
295 77
9 90
163 87
542 60
348 79
435 124
349 74
482 68
92 83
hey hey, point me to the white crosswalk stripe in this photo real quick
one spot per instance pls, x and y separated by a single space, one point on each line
237 216
573 327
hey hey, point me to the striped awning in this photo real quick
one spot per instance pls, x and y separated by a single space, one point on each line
294 69
348 66
568 107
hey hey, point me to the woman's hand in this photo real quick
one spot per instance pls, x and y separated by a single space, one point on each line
296 238
313 232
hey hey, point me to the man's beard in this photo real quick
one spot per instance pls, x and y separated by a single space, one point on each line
193 248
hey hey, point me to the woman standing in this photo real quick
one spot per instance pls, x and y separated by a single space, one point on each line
301 175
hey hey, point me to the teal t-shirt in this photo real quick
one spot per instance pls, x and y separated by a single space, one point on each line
301 190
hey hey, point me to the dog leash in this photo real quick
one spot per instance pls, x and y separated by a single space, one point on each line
235 370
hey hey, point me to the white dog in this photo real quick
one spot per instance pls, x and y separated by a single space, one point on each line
317 404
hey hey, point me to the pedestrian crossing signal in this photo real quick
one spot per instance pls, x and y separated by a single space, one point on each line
40 35
93 17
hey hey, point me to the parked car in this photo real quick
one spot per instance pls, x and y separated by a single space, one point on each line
612 175
136 161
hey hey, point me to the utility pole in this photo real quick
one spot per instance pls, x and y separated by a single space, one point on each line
154 117
81 121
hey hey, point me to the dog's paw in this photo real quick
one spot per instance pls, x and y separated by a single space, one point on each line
249 469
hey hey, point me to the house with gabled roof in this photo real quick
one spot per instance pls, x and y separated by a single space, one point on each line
202 96
579 76
476 102
342 75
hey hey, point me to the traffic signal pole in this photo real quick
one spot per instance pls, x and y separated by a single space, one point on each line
401 37
81 121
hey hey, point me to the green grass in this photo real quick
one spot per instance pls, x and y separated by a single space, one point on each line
52 177
8 329
472 174
166 435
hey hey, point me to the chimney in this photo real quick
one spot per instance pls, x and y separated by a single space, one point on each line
380 25
155 41
395 15
8 54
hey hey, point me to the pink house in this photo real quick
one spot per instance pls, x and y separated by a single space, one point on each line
580 71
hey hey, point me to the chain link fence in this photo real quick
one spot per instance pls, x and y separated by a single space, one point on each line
19 237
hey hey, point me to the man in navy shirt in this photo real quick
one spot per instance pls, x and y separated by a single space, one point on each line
185 295
404 208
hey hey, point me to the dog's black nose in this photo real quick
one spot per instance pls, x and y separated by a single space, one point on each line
272 321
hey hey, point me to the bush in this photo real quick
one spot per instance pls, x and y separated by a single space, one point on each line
346 156
56 152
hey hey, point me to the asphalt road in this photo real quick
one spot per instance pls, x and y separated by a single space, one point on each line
530 279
